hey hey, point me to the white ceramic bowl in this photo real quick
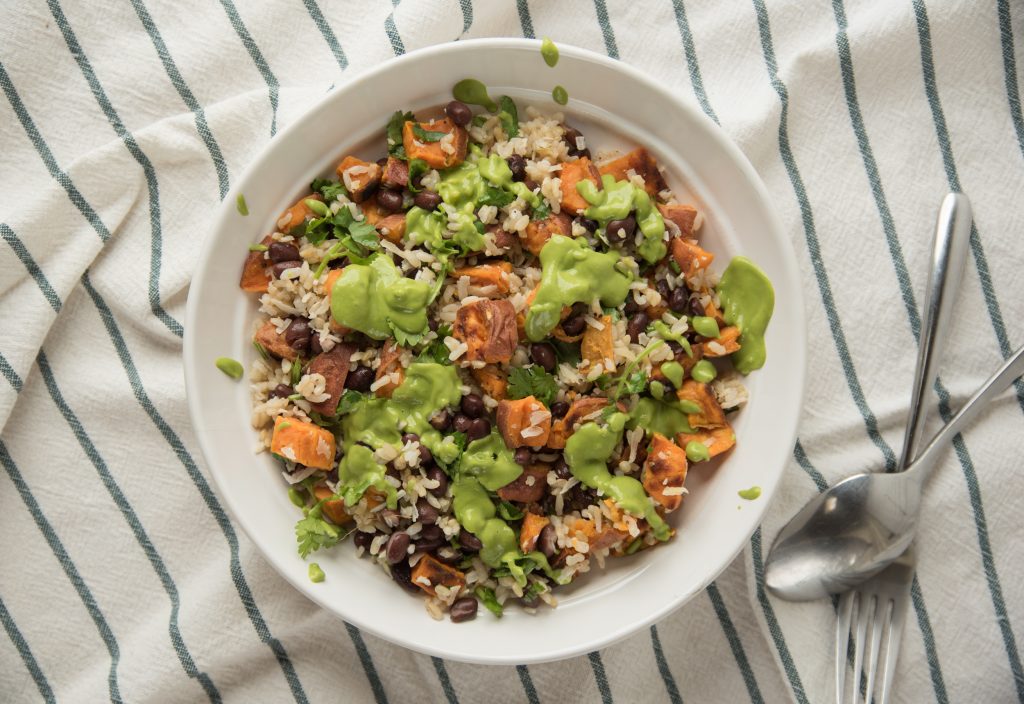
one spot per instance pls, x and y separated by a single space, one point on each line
615 106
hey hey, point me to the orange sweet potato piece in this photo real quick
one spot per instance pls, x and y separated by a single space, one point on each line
489 330
334 366
530 532
686 218
665 469
718 440
565 426
538 232
433 152
524 415
392 227
597 345
430 573
642 163
728 338
492 380
371 212
689 256
608 536
396 174
503 239
274 342
303 443
333 508
492 274
390 361
298 214
528 487
256 270
359 177
711 414
572 173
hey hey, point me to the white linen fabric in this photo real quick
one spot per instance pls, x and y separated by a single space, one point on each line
122 127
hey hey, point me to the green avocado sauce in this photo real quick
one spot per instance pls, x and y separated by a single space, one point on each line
705 326
657 389
490 461
747 302
376 299
240 204
673 371
573 273
587 452
750 494
473 92
615 200
665 333
549 51
697 451
704 371
560 95
664 417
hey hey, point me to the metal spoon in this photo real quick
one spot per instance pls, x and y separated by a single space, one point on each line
789 572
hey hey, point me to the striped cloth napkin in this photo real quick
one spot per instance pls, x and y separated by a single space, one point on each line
124 579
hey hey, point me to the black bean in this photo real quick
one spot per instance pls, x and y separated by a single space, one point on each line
588 224
543 354
389 200
631 305
531 185
433 324
437 474
473 405
339 263
410 437
462 423
580 497
559 409
562 470
636 325
427 513
314 343
280 267
459 112
579 308
547 543
619 231
283 252
661 286
363 540
569 136
402 573
360 379
441 420
282 391
679 300
574 325
463 609
430 538
522 456
696 307
518 166
480 428
398 544
426 457
428 200
469 541
332 476
297 335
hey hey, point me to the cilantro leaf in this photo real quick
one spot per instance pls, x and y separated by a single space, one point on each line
509 116
427 135
364 234
403 338
567 352
509 512
532 381
396 147
437 351
314 533
328 188
541 212
296 371
348 401
496 196
635 383
417 167
489 600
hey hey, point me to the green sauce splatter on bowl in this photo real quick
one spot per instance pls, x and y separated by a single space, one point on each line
560 95
240 204
750 494
233 368
549 51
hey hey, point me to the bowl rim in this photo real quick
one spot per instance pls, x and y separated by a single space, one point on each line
225 211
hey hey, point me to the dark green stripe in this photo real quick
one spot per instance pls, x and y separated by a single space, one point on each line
467 14
367 662
132 519
257 58
597 665
663 668
735 644
805 464
12 376
156 229
691 59
391 29
992 303
1010 70
325 29
527 682
610 46
73 575
902 277
46 155
30 264
142 397
31 664
186 96
524 18
446 683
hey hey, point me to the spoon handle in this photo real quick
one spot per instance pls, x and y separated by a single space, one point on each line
995 385
949 254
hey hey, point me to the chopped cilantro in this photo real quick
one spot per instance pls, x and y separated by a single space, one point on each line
427 135
541 212
328 188
348 401
261 349
417 167
567 352
497 197
313 533
509 512
396 147
635 383
403 338
364 234
296 371
532 381
489 600
509 116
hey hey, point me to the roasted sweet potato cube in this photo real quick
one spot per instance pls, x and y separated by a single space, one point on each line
685 217
717 440
256 270
442 154
333 508
491 274
727 342
371 211
273 342
392 228
607 537
524 421
597 346
689 256
334 366
642 164
711 414
297 215
664 472
503 239
489 330
359 177
572 173
303 443
565 426
430 573
533 524
390 363
492 380
528 487
538 232
396 174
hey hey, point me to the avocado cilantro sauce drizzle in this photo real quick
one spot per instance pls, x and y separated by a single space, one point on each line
748 300
377 300
615 200
472 92
549 51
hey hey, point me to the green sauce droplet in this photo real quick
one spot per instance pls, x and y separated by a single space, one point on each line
615 200
747 302
233 368
750 494
473 92
560 95
697 451
296 498
657 389
315 573
705 326
240 204
703 371
673 371
549 51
